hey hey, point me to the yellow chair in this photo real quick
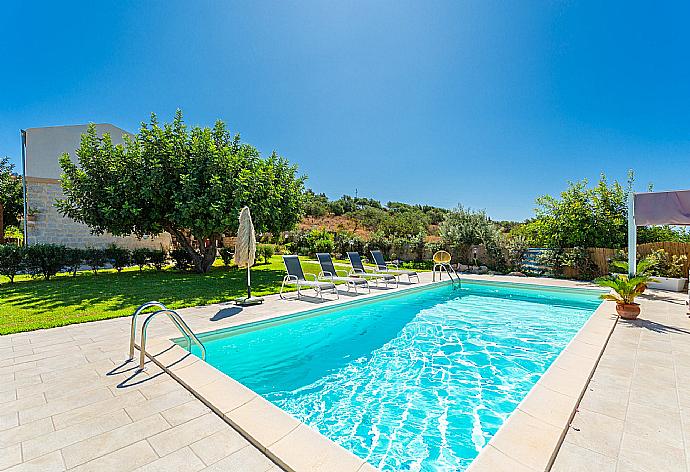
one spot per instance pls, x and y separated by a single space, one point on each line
441 263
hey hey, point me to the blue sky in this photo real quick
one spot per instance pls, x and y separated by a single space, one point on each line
488 104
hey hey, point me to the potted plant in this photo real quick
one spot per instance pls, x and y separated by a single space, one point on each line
625 290
668 270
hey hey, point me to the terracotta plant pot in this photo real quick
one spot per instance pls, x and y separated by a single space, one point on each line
628 311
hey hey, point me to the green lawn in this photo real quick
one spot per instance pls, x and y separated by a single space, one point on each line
31 304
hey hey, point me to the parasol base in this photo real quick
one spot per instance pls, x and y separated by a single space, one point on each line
248 301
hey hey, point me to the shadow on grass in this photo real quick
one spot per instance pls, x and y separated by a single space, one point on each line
128 290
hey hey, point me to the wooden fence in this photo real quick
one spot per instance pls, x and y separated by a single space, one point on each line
601 256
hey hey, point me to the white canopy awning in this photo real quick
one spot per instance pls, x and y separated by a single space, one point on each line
662 208
655 208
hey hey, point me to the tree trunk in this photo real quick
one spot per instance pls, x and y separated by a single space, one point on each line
203 258
2 226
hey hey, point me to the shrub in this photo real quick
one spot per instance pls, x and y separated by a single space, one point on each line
663 264
157 258
119 257
579 259
45 260
516 248
182 259
11 260
323 245
311 242
140 257
227 255
552 258
345 241
74 258
265 251
95 258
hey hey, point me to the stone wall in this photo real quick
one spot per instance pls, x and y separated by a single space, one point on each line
51 227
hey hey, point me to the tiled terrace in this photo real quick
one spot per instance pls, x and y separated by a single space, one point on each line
635 414
67 401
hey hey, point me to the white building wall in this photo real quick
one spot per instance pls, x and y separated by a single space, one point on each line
44 146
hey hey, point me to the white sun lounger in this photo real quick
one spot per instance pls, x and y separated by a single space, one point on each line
296 277
383 267
328 272
358 270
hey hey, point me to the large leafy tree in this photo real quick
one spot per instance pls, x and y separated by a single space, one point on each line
11 195
463 228
191 183
583 216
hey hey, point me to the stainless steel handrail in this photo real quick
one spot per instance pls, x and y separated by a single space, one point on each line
181 325
448 268
133 329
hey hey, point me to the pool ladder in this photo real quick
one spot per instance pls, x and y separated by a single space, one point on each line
174 317
443 266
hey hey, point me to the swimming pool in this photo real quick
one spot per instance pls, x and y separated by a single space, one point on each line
419 380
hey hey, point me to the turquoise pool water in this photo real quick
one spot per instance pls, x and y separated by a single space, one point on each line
419 381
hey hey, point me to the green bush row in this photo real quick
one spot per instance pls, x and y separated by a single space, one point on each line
46 260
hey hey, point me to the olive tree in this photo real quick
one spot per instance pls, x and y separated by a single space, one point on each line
191 183
11 194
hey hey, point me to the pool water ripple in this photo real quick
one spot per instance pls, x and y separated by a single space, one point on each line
417 382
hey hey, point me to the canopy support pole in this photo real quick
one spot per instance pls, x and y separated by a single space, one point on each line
632 236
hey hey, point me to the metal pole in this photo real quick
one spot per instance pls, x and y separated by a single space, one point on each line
26 204
632 236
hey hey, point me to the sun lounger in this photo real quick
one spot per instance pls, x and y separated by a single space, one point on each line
383 267
328 272
358 270
296 277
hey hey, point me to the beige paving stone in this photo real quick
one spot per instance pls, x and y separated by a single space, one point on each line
57 440
218 446
549 406
572 458
650 455
9 420
653 395
8 396
49 463
14 384
91 448
197 375
567 382
654 424
596 432
122 460
23 432
263 421
305 449
163 402
61 387
92 410
22 404
246 459
185 412
10 456
162 387
492 460
63 404
606 401
225 394
527 440
182 460
187 433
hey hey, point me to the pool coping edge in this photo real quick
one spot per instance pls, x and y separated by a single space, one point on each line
290 450
529 440
291 444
